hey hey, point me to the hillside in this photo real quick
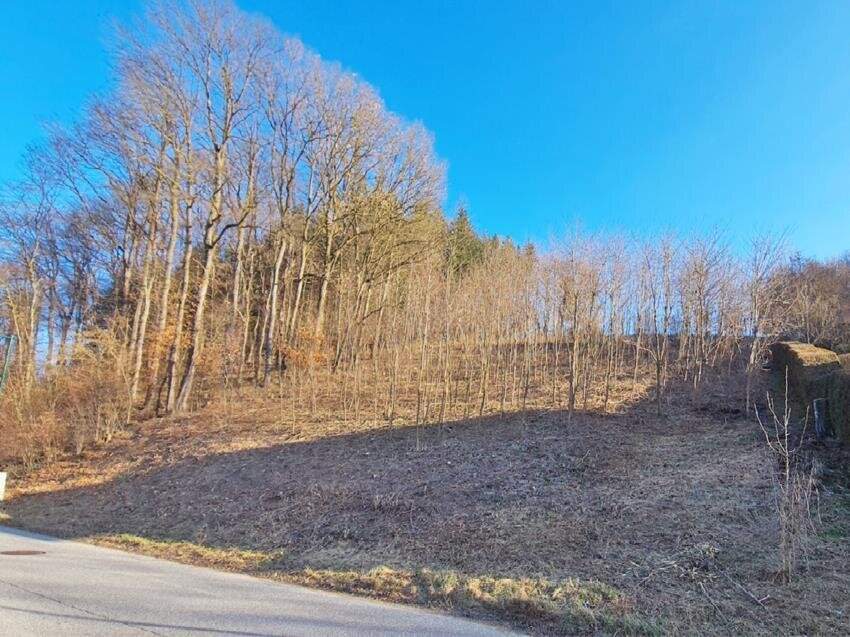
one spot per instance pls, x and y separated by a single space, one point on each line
620 522
246 321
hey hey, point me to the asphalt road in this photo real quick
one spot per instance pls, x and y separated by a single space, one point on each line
77 589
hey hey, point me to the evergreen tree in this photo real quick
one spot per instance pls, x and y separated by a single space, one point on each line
465 248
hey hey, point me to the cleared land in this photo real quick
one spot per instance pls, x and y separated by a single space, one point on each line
612 523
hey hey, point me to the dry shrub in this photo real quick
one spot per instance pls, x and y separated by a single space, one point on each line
294 357
92 393
217 365
795 486
68 406
29 429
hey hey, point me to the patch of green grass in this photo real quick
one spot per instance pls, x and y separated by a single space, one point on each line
837 514
842 505
569 606
835 532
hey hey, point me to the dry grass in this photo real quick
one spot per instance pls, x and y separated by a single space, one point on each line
569 605
673 516
806 354
228 559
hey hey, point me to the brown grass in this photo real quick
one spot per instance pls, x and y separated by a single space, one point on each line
806 354
571 604
674 516
227 559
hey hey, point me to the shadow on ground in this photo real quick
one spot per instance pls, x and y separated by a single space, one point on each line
659 507
516 494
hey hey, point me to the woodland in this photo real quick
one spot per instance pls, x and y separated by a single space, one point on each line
239 239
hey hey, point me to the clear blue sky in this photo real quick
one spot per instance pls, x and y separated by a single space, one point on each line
615 116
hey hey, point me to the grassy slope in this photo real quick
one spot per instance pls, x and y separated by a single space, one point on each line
619 523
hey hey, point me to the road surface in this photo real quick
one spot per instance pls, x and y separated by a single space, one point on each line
77 589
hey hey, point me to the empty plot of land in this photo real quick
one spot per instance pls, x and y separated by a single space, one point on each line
621 523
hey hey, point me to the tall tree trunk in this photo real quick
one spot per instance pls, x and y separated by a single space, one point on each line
165 294
271 305
175 352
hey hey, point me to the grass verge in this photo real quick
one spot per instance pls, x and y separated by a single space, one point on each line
229 559
570 606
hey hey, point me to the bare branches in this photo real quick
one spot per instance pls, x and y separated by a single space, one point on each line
238 208
795 485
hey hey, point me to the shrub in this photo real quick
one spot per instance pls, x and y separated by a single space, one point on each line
29 429
795 486
68 406
839 404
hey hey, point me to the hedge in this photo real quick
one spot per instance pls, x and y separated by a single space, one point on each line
839 404
809 370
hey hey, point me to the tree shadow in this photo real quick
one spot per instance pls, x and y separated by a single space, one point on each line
514 494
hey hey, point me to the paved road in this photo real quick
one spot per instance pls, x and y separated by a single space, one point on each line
77 589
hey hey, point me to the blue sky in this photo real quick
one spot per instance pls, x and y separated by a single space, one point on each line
623 116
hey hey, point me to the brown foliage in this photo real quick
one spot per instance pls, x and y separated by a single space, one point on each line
70 407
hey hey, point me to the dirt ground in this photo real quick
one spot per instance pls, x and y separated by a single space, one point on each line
677 513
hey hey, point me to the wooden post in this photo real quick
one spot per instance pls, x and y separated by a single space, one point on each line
819 410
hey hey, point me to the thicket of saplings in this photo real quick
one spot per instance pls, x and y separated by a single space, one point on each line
238 213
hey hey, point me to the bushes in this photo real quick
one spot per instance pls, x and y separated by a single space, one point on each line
809 369
67 407
839 404
29 428
814 372
839 399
